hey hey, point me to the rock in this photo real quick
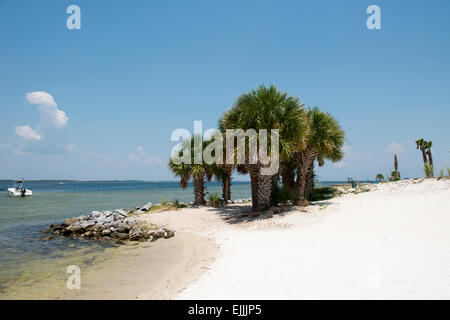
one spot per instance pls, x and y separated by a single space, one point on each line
104 219
121 212
87 224
130 221
55 227
147 235
99 225
49 238
122 236
160 233
95 214
74 227
68 222
106 232
169 233
120 242
123 227
146 207
136 233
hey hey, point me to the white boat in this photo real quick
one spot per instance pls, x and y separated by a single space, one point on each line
19 190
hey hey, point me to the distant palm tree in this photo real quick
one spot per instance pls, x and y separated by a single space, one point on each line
395 175
325 139
421 145
267 108
197 172
428 145
396 172
379 177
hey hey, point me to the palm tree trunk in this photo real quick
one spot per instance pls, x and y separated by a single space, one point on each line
305 162
253 170
199 191
226 190
309 188
264 191
424 155
275 180
430 161
288 176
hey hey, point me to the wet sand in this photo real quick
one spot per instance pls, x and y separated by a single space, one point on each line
152 270
147 270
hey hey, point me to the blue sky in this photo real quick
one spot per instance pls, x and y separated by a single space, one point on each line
137 70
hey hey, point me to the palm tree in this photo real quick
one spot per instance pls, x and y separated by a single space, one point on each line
197 172
379 177
267 108
421 144
325 139
428 145
396 173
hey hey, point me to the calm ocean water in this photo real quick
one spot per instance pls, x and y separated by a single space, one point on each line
27 261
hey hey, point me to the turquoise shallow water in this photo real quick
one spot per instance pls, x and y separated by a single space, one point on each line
27 260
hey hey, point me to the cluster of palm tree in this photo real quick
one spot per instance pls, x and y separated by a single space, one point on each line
425 148
305 136
200 173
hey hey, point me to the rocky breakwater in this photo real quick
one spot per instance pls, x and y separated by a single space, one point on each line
119 225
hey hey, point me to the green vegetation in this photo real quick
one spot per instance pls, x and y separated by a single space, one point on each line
215 200
428 169
284 195
322 193
379 177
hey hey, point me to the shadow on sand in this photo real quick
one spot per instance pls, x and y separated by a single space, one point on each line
242 214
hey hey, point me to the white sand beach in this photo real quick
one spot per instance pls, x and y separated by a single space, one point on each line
389 243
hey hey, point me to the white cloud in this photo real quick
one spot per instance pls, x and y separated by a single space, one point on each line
48 108
394 147
143 157
41 98
27 133
51 116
